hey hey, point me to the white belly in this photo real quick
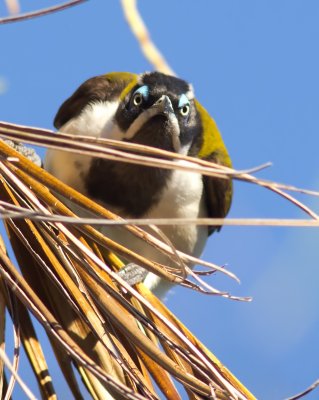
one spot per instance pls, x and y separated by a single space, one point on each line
182 198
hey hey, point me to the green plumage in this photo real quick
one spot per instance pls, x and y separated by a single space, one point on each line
218 191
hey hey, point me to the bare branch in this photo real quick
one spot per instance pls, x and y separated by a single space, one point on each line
14 373
150 51
40 13
13 6
305 392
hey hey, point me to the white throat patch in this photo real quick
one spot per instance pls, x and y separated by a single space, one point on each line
97 120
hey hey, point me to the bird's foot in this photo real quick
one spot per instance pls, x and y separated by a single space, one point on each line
133 273
26 151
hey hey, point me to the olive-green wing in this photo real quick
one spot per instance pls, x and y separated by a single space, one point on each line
218 191
218 194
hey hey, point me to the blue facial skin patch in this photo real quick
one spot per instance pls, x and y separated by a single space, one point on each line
144 90
183 101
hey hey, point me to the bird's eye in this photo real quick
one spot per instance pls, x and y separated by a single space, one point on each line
184 110
140 95
137 99
183 105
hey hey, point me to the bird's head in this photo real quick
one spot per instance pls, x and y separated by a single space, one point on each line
159 110
152 109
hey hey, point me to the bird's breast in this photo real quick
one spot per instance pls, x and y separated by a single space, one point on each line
183 198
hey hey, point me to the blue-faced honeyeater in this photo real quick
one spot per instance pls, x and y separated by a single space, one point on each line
156 110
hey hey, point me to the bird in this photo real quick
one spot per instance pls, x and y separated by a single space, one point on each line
157 110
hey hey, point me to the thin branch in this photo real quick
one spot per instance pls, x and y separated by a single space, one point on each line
40 13
305 392
56 185
217 375
30 299
17 346
133 153
8 364
150 51
13 6
8 211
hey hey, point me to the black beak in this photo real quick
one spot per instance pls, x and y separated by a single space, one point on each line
163 105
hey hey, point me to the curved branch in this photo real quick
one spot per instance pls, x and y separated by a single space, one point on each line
40 13
150 51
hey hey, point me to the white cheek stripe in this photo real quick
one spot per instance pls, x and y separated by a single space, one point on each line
190 93
176 132
139 122
97 120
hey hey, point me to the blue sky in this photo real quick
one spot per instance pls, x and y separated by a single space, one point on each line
254 66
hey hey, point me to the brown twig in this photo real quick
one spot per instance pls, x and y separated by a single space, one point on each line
82 253
305 392
108 149
139 29
13 6
40 13
8 211
14 373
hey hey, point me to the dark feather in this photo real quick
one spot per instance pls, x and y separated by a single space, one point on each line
218 194
100 88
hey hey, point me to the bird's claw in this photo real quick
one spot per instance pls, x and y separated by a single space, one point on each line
26 151
133 274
